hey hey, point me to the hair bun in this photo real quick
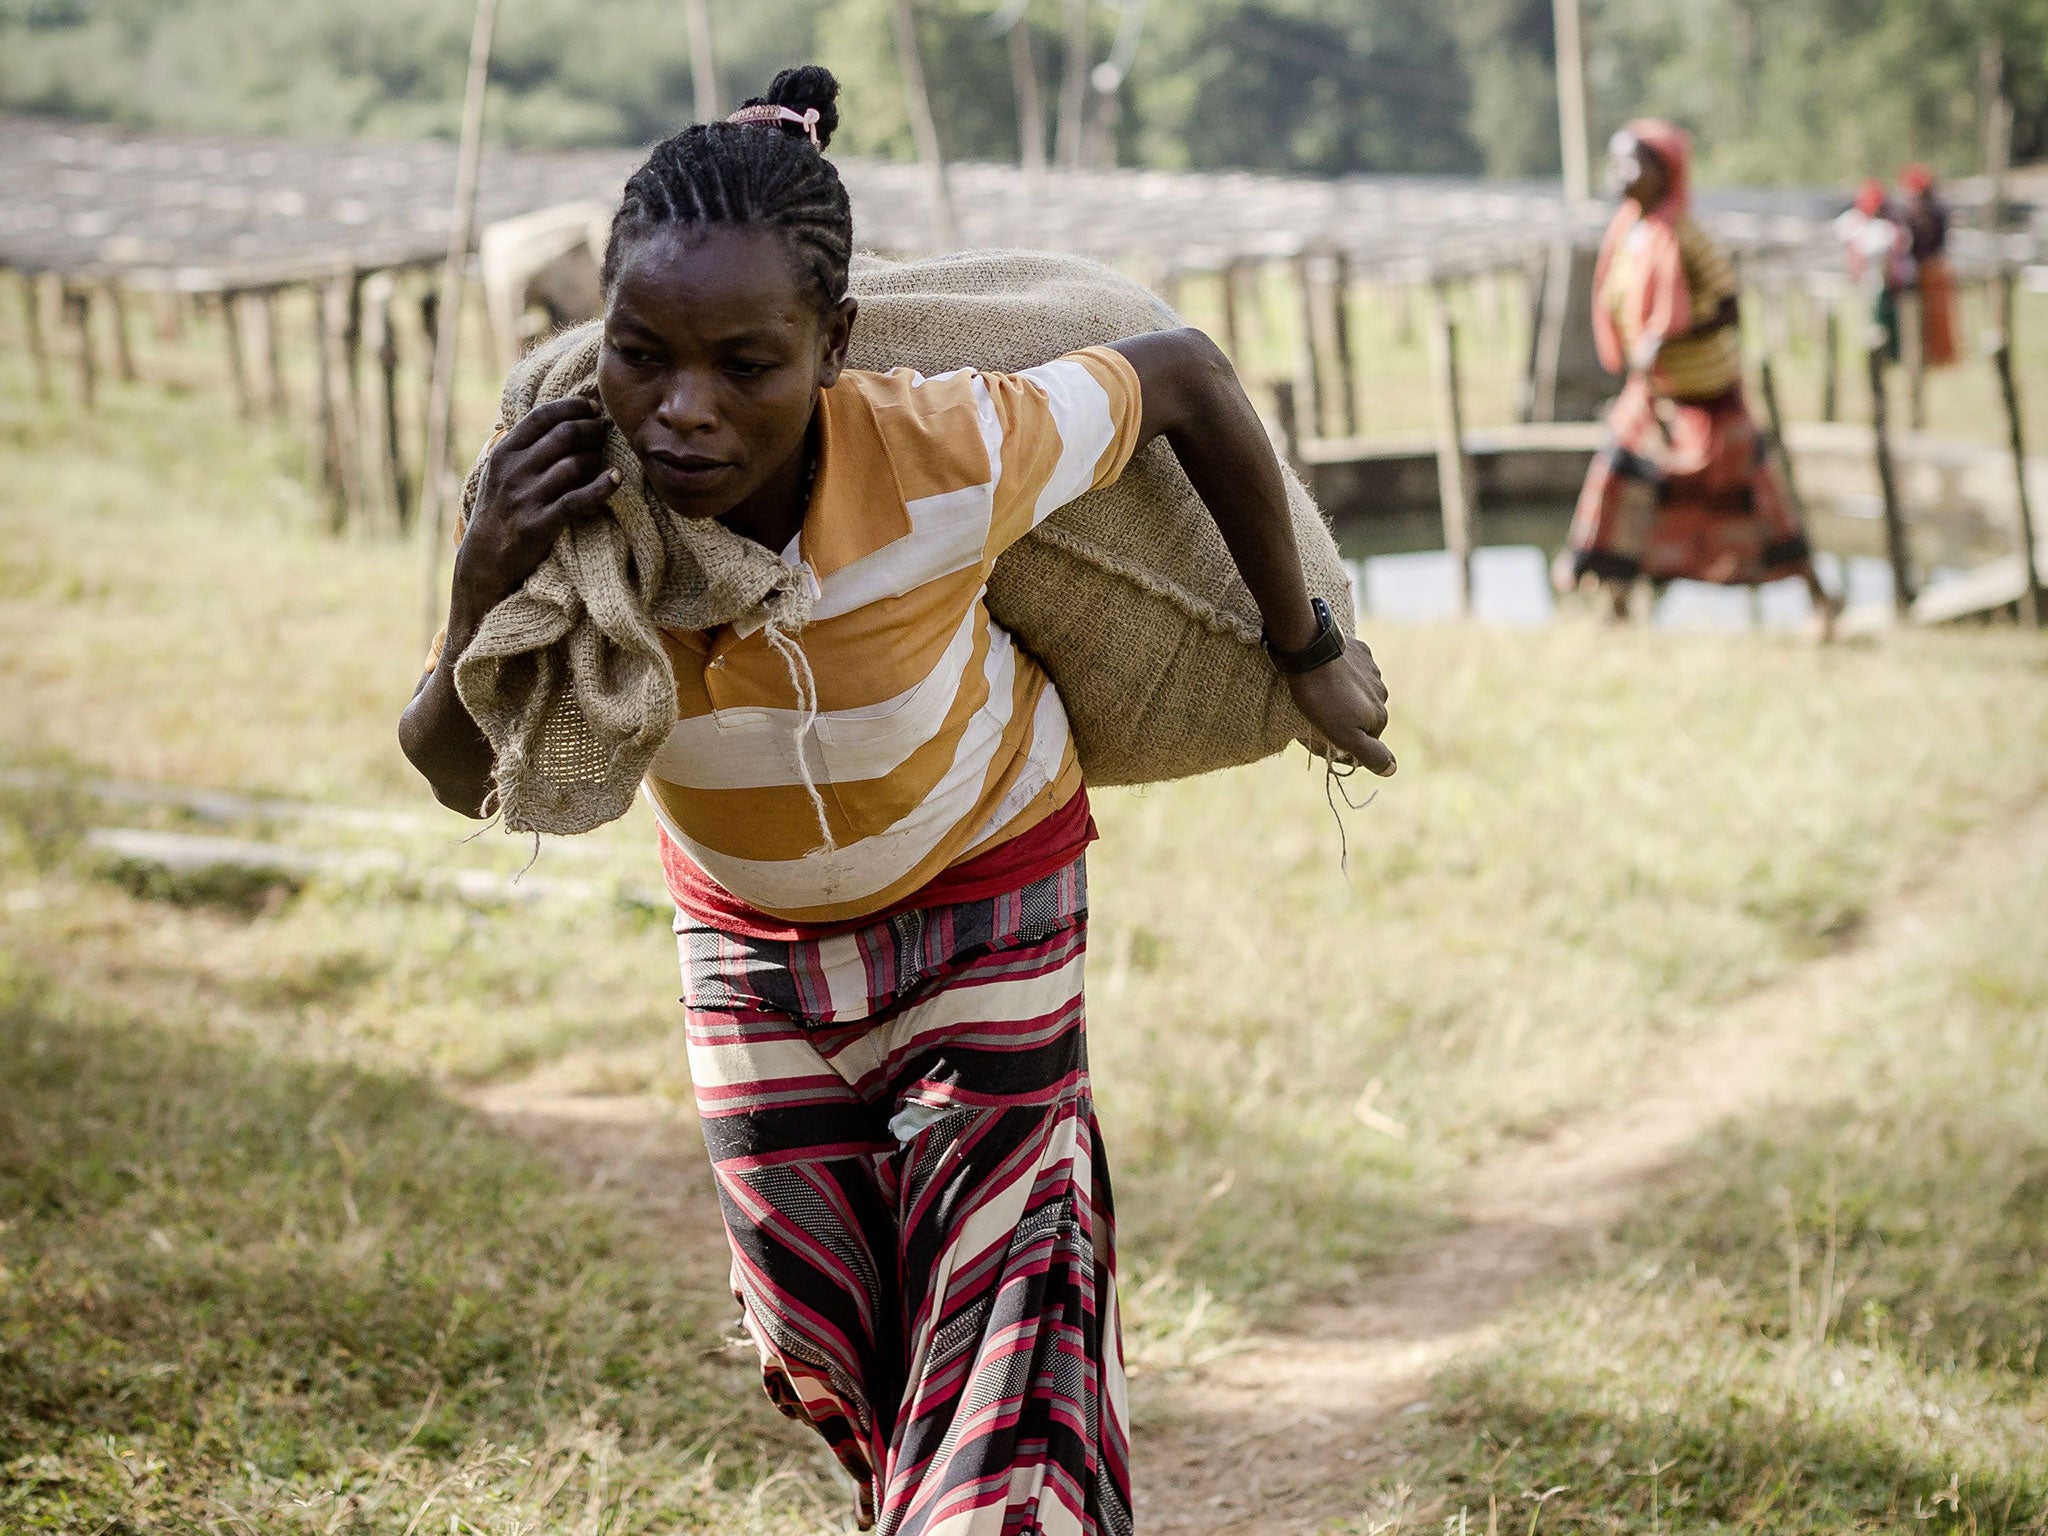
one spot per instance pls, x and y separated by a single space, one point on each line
808 85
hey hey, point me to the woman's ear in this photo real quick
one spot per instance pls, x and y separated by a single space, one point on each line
836 334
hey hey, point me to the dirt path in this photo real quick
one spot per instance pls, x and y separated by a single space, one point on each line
1279 1436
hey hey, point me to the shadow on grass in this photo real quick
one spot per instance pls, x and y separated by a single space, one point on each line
228 1278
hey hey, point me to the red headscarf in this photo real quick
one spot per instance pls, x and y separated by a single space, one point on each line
1657 298
1916 178
1870 198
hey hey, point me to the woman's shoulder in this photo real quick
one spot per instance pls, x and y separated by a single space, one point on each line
929 429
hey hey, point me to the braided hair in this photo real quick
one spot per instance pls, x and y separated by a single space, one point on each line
752 173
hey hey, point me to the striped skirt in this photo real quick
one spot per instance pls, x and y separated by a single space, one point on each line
904 1139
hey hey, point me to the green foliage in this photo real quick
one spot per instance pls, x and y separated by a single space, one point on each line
567 72
1819 90
1306 85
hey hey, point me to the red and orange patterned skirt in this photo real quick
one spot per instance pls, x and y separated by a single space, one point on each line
1685 490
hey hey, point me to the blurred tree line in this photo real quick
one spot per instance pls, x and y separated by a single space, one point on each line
1778 90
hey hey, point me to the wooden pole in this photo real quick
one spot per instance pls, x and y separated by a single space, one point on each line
1233 322
430 329
1996 111
1767 379
1287 409
1347 373
78 310
1453 480
323 424
1571 102
335 319
32 323
264 316
169 312
1913 358
1030 104
435 475
231 340
1830 361
1888 486
2033 603
381 337
1073 127
924 127
1308 362
1773 419
117 317
709 100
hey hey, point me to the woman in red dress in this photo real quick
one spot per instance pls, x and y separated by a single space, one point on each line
1685 487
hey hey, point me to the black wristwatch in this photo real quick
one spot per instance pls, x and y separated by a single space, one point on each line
1327 646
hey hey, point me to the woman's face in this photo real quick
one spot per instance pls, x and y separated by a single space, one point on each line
713 357
1634 171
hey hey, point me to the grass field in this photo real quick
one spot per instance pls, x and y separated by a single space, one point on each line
259 1262
1834 1322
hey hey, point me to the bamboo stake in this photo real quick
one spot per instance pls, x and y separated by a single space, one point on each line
2033 604
1453 480
924 127
1888 485
435 475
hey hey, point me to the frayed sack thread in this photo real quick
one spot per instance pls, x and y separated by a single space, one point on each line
1128 596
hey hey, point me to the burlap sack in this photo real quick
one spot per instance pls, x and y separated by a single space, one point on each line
1128 596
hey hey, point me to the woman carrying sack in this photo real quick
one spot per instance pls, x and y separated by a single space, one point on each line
872 813
1685 487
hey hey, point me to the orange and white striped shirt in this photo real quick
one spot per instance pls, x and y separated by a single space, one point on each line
936 737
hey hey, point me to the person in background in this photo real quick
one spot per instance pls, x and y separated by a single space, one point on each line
1925 219
1880 259
1685 487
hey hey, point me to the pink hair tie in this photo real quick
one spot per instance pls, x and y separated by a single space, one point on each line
768 112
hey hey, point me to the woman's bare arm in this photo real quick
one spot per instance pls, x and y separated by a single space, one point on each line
544 472
1191 396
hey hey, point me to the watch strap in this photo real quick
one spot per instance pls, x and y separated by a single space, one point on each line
1327 646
